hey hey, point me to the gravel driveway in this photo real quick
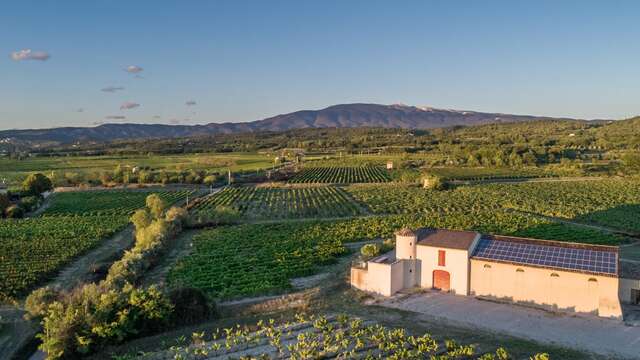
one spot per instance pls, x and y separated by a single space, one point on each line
601 336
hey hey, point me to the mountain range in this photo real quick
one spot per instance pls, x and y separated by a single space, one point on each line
338 116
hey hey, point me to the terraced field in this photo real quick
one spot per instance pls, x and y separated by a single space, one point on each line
107 202
283 203
341 175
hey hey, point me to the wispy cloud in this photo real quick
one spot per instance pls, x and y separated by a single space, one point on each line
133 69
115 117
190 103
111 89
28 54
128 105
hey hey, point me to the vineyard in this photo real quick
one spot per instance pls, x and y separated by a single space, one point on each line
341 175
108 202
283 203
320 337
248 260
32 249
614 203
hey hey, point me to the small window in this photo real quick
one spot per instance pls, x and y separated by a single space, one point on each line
554 275
410 270
487 266
593 280
519 270
441 258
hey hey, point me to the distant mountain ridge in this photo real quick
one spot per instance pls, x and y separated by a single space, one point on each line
339 116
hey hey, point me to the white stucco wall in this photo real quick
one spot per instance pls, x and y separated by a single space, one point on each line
456 264
570 291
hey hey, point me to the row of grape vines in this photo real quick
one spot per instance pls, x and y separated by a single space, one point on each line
282 203
341 175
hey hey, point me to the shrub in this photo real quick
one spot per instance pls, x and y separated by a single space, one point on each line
14 212
4 203
38 302
190 306
36 184
370 250
156 205
434 182
95 315
29 203
141 219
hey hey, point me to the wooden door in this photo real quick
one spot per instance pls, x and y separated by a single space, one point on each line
441 280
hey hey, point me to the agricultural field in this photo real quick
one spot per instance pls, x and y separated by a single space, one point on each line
489 173
33 249
16 170
283 202
320 337
248 260
613 203
107 202
341 175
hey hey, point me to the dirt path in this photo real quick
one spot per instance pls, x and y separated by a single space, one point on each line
177 248
82 268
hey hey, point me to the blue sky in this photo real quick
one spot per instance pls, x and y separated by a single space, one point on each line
246 60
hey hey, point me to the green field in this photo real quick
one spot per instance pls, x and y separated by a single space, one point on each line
107 202
613 203
31 250
489 173
282 203
16 170
256 259
341 175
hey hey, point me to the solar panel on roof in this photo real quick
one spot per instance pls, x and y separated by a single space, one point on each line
604 262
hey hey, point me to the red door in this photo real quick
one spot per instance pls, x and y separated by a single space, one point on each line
441 280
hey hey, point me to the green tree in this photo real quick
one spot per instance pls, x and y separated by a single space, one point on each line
36 184
369 250
156 205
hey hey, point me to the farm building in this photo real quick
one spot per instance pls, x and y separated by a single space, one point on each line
550 274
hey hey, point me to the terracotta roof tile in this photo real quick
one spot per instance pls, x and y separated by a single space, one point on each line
450 239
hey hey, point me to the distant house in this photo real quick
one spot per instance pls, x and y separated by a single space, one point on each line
389 165
550 274
3 188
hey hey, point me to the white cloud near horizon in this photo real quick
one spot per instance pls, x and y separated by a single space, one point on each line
112 89
127 105
28 54
133 69
115 117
